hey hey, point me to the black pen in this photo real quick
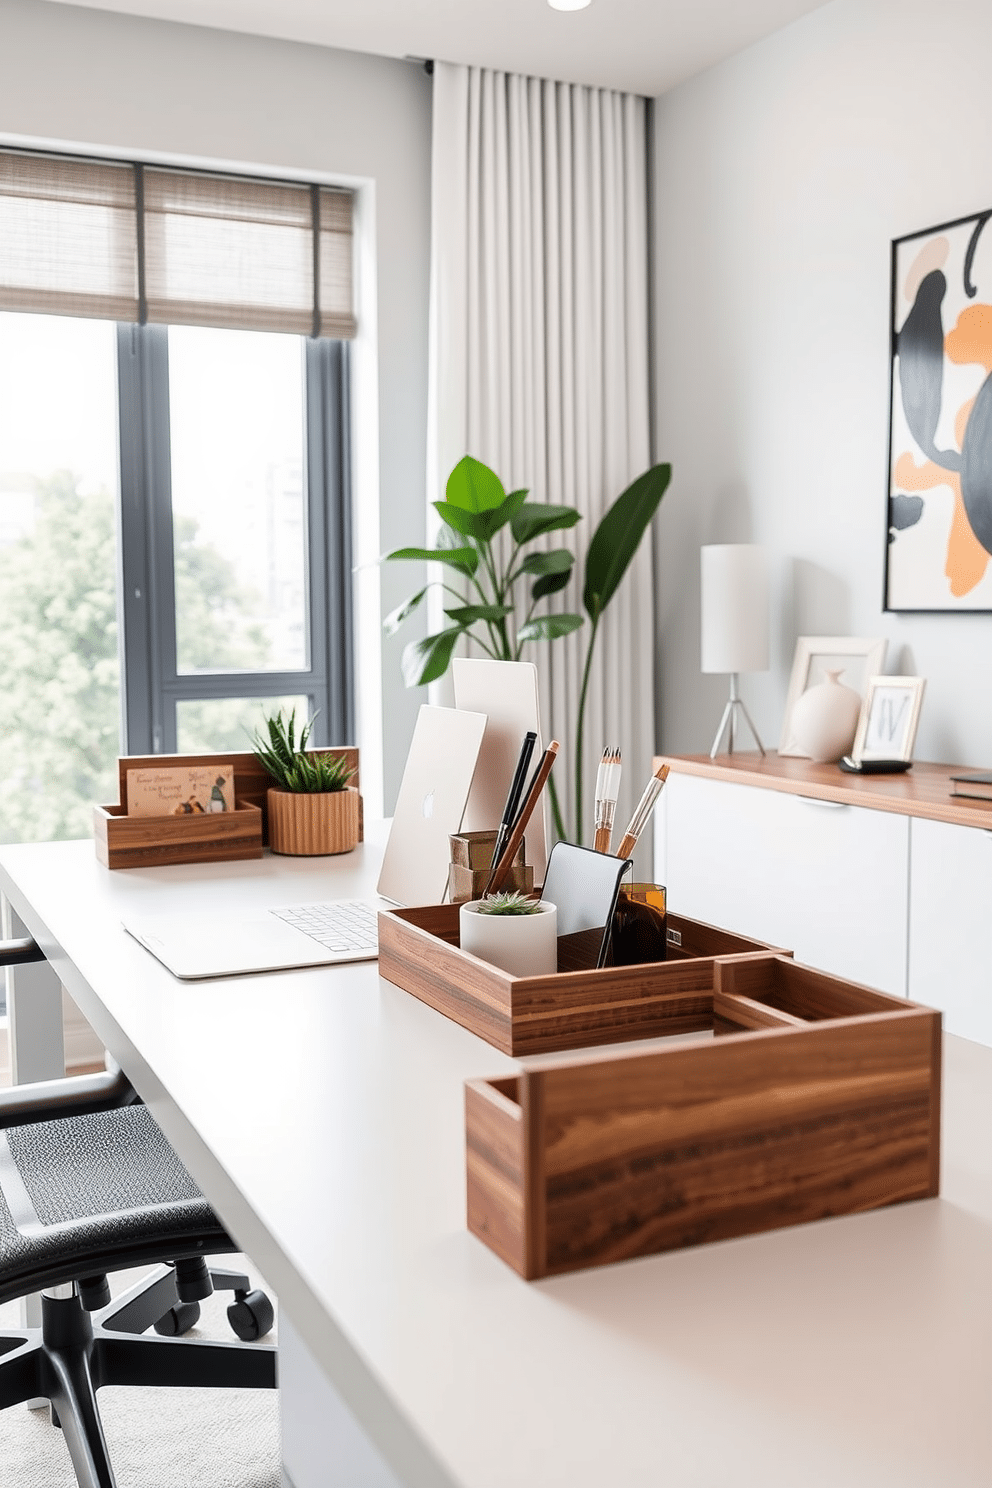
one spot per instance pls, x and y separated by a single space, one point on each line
512 801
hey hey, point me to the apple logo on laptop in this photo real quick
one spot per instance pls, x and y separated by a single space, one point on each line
428 807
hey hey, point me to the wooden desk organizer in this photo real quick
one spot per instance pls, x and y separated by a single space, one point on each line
816 1097
124 841
419 951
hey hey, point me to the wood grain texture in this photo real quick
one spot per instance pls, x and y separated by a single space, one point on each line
733 1013
313 824
650 1150
251 779
495 1181
419 951
925 790
151 841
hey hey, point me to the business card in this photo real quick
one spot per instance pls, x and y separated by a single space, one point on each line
180 790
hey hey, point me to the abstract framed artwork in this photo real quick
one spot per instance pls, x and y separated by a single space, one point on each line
939 549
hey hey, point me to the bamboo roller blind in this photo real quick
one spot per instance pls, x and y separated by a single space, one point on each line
118 241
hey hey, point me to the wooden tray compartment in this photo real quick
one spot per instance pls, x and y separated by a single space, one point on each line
582 1162
419 951
148 841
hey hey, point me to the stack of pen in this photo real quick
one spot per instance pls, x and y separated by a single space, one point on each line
517 815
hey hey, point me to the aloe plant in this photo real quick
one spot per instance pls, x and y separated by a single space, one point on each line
506 593
291 765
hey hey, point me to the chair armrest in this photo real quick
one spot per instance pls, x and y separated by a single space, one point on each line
77 1095
20 952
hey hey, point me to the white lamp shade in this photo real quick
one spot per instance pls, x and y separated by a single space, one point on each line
734 608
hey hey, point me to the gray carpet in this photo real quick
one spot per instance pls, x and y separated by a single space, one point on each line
158 1438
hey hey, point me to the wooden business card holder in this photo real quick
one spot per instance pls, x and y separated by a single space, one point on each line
124 841
419 951
815 1097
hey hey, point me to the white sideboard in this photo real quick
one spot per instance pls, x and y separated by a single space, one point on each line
885 880
950 924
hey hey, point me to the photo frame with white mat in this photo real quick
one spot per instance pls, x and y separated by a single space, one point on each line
889 719
855 658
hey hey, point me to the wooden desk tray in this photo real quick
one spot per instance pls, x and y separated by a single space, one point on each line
148 841
419 951
816 1097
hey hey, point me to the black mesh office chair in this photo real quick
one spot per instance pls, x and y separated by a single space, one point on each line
89 1185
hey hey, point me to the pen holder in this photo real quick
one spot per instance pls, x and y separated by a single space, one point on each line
471 865
640 925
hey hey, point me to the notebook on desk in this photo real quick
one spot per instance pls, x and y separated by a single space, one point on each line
430 804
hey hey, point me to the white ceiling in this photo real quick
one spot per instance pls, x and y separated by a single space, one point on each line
639 46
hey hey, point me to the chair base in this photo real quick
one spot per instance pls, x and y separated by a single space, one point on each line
74 1353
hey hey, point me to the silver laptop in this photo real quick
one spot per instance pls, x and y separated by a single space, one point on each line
430 804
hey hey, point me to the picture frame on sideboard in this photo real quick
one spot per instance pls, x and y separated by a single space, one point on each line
856 658
889 719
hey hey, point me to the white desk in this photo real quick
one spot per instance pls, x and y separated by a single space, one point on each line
321 1112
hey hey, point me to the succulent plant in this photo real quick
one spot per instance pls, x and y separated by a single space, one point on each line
508 904
292 766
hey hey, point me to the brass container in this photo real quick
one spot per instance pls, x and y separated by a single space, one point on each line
471 860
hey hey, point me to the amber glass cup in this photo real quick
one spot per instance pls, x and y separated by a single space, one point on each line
640 925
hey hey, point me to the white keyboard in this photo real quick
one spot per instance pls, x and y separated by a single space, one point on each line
347 925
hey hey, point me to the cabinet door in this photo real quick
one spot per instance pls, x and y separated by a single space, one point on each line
950 925
828 882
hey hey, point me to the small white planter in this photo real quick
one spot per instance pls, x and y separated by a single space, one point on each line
523 945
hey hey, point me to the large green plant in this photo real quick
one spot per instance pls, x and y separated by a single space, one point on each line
475 510
507 584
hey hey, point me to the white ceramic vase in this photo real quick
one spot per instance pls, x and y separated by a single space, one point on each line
523 945
825 719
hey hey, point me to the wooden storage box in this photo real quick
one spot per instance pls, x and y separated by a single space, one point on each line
148 841
419 951
817 1097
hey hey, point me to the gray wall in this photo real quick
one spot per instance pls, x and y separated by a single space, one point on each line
92 78
781 178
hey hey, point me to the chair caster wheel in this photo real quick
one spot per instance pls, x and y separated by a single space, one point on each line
251 1315
178 1319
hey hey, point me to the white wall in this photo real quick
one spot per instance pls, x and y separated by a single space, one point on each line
781 178
114 82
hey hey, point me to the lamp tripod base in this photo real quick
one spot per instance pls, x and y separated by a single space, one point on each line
728 723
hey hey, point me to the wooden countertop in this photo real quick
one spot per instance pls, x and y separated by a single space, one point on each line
924 790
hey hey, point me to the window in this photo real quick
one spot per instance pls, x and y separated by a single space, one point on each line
174 501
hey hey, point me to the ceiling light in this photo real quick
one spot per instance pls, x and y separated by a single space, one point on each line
568 4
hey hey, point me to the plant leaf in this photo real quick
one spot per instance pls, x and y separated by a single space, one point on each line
618 537
559 560
468 523
402 612
550 584
469 614
473 487
493 520
549 627
534 518
424 661
466 559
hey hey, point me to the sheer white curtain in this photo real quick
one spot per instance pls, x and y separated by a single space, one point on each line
539 356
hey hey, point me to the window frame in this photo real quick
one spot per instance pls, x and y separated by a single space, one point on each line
151 684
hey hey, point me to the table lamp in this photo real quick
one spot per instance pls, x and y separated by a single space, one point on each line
734 624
